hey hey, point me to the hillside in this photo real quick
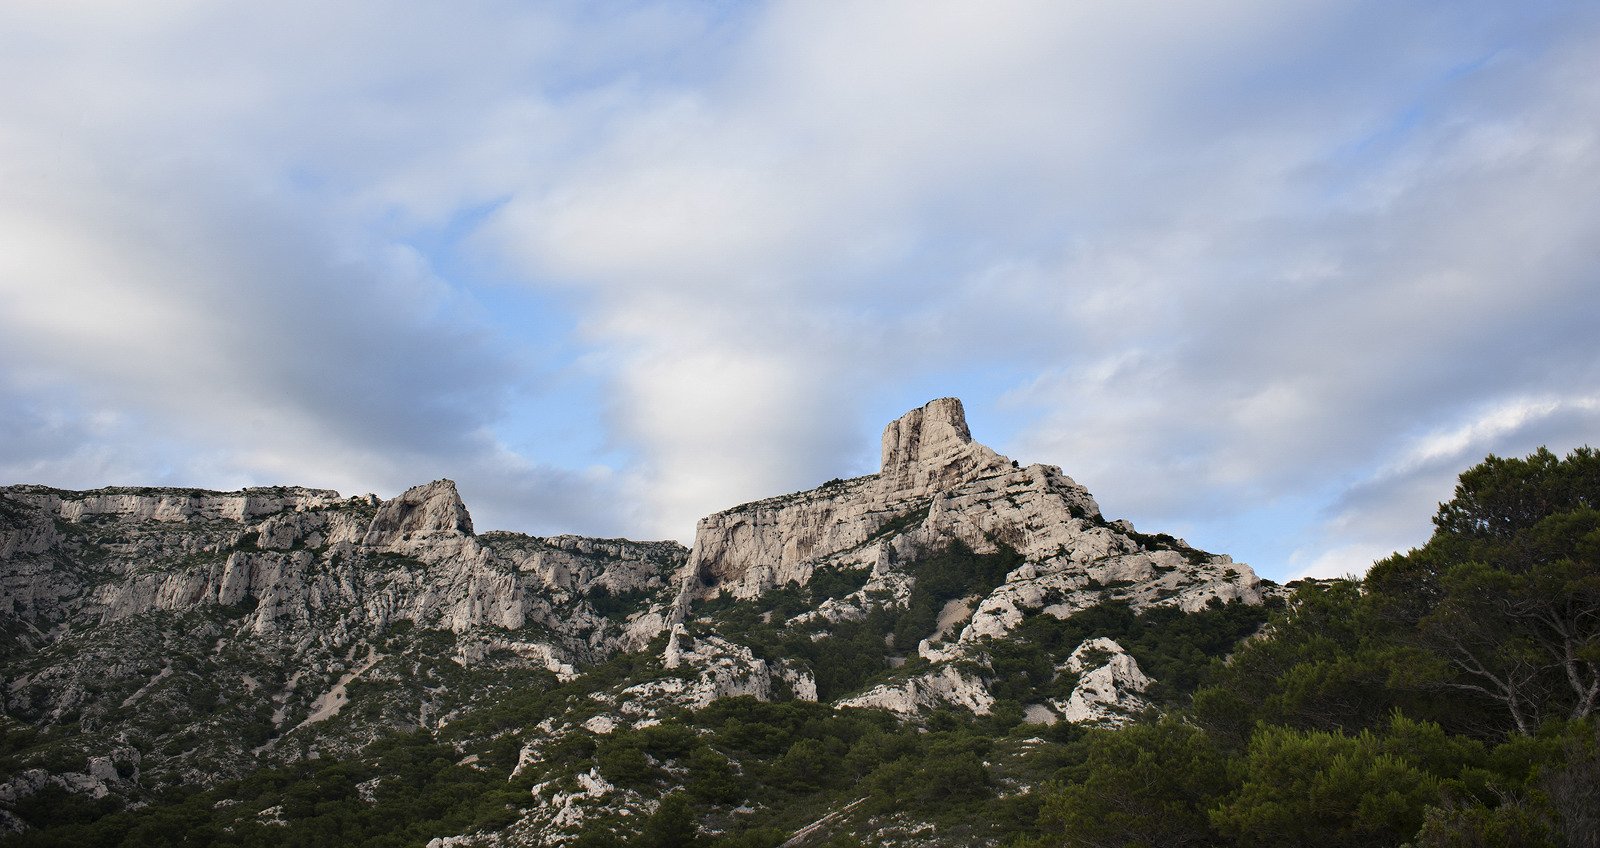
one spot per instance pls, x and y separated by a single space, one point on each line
953 651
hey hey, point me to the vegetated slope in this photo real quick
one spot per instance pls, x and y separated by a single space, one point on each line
975 686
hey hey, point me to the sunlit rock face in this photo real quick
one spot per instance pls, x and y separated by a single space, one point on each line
930 450
937 485
1109 685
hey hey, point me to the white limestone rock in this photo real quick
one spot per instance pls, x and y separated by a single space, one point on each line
946 685
1039 714
640 629
171 506
29 530
574 565
1109 685
594 785
935 484
413 557
708 668
801 682
99 774
1061 587
302 580
470 652
721 669
429 522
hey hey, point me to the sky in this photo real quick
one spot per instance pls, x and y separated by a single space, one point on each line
1263 275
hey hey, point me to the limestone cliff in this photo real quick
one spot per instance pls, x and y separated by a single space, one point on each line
141 610
1109 685
299 556
166 637
935 484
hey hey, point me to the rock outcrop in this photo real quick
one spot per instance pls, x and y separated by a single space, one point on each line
943 687
144 609
171 506
1109 685
301 556
706 668
936 484
420 521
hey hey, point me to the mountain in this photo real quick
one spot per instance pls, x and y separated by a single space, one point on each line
189 636
936 487
168 642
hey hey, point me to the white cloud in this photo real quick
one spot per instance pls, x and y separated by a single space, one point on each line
1343 561
1483 433
1211 259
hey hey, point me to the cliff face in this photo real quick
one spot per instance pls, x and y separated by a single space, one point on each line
937 487
194 619
936 484
301 557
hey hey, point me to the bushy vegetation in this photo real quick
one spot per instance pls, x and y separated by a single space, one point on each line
422 794
795 760
1176 649
856 654
614 606
1448 699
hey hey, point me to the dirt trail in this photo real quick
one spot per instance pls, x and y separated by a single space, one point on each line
954 613
804 833
328 703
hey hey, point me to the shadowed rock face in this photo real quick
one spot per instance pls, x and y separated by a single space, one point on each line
125 606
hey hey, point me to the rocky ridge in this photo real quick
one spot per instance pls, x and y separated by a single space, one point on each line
100 557
175 622
937 486
146 611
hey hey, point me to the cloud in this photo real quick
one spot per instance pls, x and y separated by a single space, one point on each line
173 312
1224 263
859 209
1389 509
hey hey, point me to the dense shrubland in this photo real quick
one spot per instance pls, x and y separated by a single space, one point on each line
1447 699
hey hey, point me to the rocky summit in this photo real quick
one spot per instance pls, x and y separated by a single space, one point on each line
165 641
938 486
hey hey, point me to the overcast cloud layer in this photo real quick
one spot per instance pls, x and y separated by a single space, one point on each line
1263 275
